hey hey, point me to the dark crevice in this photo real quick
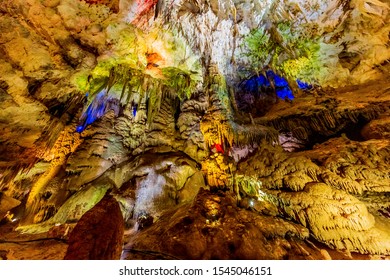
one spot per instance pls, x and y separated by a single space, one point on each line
319 127
352 131
34 86
32 240
86 48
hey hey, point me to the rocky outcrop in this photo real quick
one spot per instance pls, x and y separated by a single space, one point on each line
214 228
328 190
171 180
70 211
377 129
98 234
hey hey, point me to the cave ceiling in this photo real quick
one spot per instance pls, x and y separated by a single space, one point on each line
200 129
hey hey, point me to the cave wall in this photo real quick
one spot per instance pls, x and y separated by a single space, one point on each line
193 115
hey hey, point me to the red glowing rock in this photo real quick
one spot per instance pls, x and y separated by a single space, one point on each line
145 10
217 148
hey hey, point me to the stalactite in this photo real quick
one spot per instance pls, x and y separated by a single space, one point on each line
132 128
326 122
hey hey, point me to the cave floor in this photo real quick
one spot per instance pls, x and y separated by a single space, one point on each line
147 244
14 246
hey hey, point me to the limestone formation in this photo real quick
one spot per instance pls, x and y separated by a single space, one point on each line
217 229
194 129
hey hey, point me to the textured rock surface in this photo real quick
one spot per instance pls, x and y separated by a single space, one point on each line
213 228
71 211
14 246
377 129
330 186
98 234
33 250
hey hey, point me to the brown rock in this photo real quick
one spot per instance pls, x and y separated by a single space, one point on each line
377 129
99 233
6 204
212 227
